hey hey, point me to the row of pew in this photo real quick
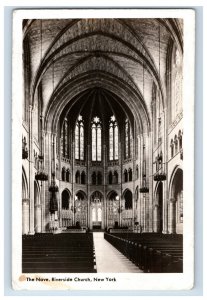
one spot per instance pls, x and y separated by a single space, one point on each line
151 252
58 253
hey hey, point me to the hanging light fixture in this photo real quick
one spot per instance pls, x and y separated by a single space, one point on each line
144 189
53 189
160 176
41 175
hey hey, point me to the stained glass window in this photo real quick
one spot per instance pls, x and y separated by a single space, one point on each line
131 144
93 142
96 139
79 139
128 139
81 142
113 139
176 84
99 142
99 214
65 139
61 143
116 142
76 142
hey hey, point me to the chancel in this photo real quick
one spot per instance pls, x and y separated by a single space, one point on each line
102 150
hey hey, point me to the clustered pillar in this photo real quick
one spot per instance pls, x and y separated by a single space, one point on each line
25 216
172 227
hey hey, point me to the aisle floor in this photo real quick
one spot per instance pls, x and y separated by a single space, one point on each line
109 259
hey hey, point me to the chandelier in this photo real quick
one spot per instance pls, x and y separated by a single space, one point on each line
53 187
144 190
53 199
160 177
41 175
160 174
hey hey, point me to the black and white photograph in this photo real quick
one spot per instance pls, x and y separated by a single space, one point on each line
103 110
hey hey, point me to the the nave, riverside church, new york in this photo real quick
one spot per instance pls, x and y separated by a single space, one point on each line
102 151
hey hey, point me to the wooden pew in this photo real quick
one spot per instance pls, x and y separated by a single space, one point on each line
64 253
151 252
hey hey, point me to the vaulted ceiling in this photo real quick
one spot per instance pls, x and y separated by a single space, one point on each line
122 57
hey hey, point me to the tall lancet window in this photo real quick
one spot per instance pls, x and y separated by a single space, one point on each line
113 139
128 139
65 139
176 84
96 139
79 139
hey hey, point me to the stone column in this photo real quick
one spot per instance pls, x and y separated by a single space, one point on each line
142 183
88 186
165 168
146 196
120 179
38 215
133 177
140 179
120 212
144 213
58 155
139 209
172 227
150 202
25 216
103 225
156 218
43 192
31 173
73 181
53 170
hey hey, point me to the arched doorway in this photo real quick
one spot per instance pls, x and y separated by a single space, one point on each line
113 204
38 209
81 209
66 213
25 204
176 203
158 209
127 209
96 216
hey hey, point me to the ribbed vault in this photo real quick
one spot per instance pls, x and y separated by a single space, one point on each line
123 57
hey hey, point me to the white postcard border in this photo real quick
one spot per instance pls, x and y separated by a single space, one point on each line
124 281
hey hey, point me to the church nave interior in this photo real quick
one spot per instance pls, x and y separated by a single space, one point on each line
102 133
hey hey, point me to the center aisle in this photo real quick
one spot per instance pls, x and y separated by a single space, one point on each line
109 259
